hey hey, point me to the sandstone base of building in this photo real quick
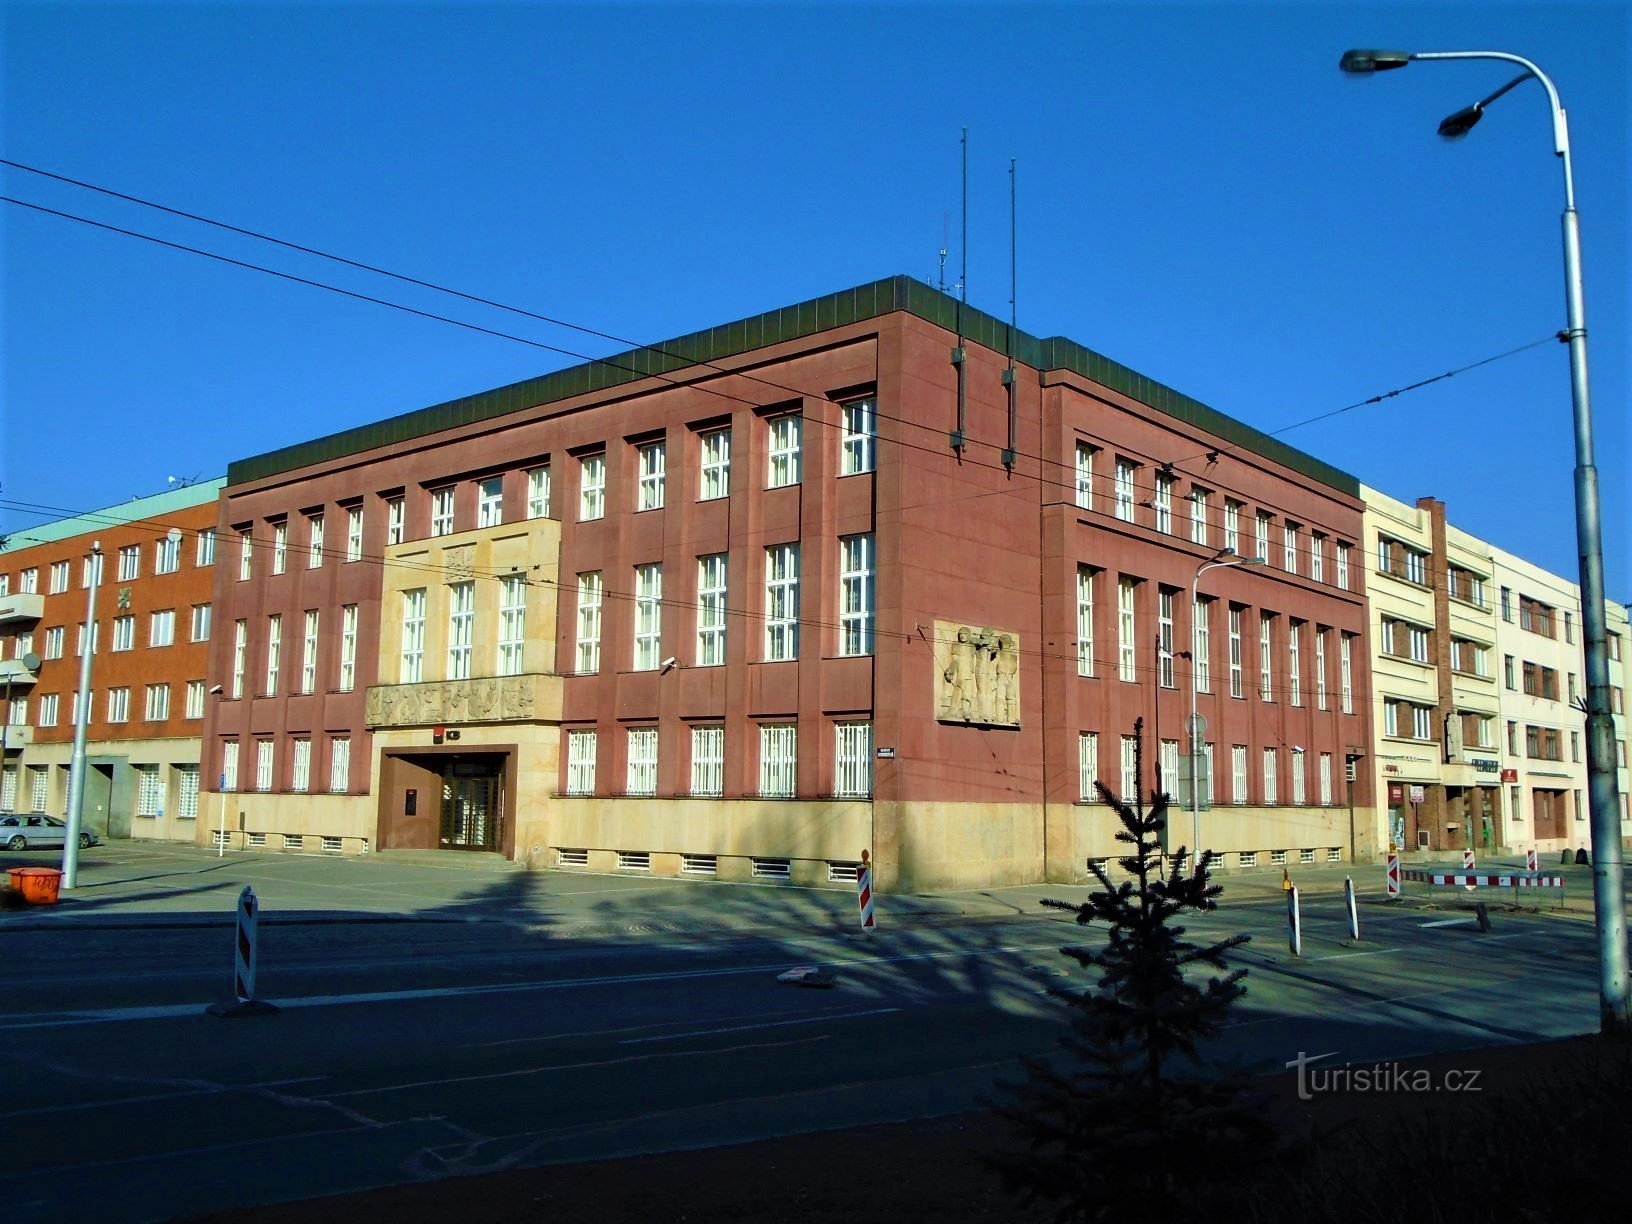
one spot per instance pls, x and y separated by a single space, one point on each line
336 824
112 808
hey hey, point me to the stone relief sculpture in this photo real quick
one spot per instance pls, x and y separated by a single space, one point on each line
977 675
459 563
486 699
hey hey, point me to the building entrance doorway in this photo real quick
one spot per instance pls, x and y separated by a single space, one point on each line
472 805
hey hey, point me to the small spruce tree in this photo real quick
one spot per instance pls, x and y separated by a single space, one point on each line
1114 1126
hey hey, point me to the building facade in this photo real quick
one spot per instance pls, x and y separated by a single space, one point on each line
870 572
154 620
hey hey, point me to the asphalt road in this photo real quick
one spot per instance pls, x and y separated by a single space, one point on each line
595 1019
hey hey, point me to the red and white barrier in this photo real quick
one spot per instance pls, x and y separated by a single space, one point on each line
1393 876
1530 861
864 893
1453 879
245 951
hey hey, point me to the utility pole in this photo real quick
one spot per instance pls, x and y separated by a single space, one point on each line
82 720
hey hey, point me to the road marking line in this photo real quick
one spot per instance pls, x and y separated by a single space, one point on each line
1444 922
814 1018
1349 955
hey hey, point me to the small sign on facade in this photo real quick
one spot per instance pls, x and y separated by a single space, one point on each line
1418 794
886 754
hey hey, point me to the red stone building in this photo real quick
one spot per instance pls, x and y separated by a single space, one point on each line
747 602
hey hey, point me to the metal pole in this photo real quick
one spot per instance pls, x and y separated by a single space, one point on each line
1354 912
82 720
1195 797
1293 922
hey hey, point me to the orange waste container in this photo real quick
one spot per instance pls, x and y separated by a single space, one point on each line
37 884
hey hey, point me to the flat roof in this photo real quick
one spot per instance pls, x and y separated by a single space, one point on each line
132 511
896 293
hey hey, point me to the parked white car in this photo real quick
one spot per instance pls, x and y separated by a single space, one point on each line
29 831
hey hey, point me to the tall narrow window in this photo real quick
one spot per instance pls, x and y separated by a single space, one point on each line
1320 667
856 436
229 765
280 547
1087 767
461 628
1085 621
711 588
1294 662
274 645
339 764
538 492
1126 647
194 707
853 760
589 622
1325 779
161 628
1130 770
648 616
580 762
1163 502
314 541
490 501
1299 796
1317 556
442 511
1237 682
640 776
240 647
785 433
166 556
714 478
653 463
119 704
246 549
130 568
300 772
1164 637
591 487
1201 645
512 624
1124 489
1345 651
1266 674
1232 525
124 633
348 647
354 533
308 653
1289 534
781 602
412 669
263 765
1270 794
1262 536
707 761
856 595
206 549
778 761
1198 516
1085 475
396 517
186 792
1341 567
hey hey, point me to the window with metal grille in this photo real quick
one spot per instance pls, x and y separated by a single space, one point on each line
1130 769
490 501
219 839
648 616
591 487
229 765
699 864
1085 475
770 868
1270 775
1298 796
707 761
300 774
314 541
339 764
853 760
580 762
1277 858
634 860
8 788
781 602
571 858
411 667
263 765
39 777
1325 779
711 590
589 622
1247 858
332 845
778 760
442 511
308 653
512 624
1306 855
856 436
256 839
856 595
785 437
1127 648
186 792
149 790
652 463
1334 854
843 873
1087 766
461 628
1085 621
641 777
538 492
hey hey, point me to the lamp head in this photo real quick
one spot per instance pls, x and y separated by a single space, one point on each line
1363 61
1460 124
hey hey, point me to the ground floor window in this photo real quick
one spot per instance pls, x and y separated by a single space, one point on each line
853 758
149 791
186 792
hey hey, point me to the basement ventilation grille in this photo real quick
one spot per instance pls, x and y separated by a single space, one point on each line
293 841
257 839
699 864
218 839
1334 855
634 860
1306 855
1277 858
571 858
843 873
770 869
332 845
1247 858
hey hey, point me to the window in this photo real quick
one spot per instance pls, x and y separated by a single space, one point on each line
18 715
1087 766
1270 779
1085 475
1198 515
130 564
1164 636
1162 500
778 761
263 764
711 587
1509 672
490 501
194 707
201 623
442 511
161 627
396 517
1085 621
1342 567
1126 648
124 632
158 703
167 554
339 764
314 541
591 487
707 761
274 647
280 548
1294 662
512 624
300 773
40 787
580 762
1507 604
53 642
240 648
1169 760
354 533
461 628
538 492
1569 628
8 788
853 760
1124 489
589 622
1325 779
49 708
79 639
715 474
118 705
1419 644
856 595
89 566
229 765
856 436
1232 525
1261 527
1573 689
1130 770
1317 556
1320 668
149 791
1289 534
308 653
652 463
1422 722
1575 747
1391 717
648 616
59 577
206 548
641 775
411 668
1237 683
1299 798
1416 567
1266 675
348 647
1201 647
782 602
785 433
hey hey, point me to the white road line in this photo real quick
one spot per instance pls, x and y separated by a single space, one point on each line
1350 955
813 1018
1444 922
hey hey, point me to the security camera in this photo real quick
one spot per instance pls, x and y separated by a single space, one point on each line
669 662
216 688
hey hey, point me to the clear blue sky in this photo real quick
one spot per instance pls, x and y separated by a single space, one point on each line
1202 196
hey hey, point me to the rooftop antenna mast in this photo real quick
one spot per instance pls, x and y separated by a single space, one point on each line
1008 375
958 435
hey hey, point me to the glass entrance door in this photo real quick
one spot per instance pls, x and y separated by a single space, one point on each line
471 806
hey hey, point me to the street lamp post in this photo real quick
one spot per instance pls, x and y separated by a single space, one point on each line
82 721
1224 557
1615 990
